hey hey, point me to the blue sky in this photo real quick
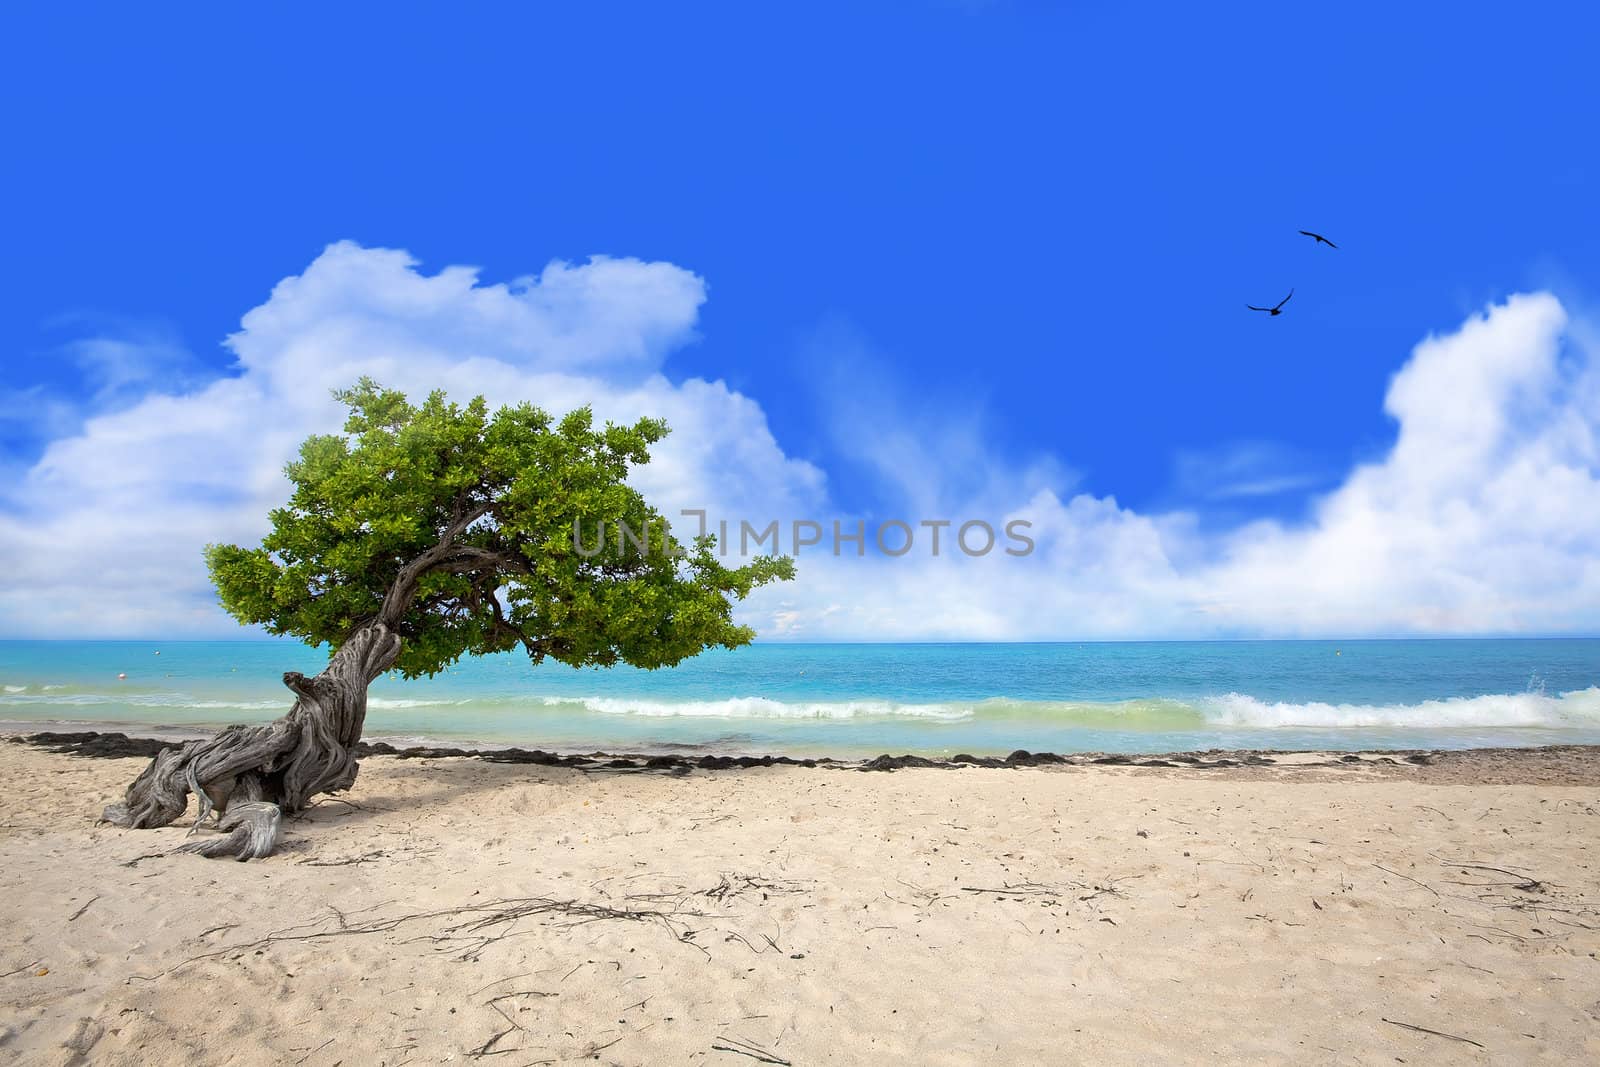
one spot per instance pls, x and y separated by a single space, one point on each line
1046 218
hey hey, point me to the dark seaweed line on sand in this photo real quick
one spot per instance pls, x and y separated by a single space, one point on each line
120 746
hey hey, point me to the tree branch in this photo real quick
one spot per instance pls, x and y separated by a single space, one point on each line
404 590
536 646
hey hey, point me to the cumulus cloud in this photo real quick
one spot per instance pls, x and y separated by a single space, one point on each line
1484 517
103 536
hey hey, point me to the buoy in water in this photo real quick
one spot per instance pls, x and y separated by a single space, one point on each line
121 676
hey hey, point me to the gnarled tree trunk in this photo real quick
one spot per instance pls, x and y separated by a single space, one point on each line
251 775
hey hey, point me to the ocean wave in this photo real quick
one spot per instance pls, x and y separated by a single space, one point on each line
18 695
399 703
1580 708
763 708
138 700
1577 709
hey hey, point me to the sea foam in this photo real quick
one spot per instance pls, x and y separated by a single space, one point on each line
1580 708
1577 709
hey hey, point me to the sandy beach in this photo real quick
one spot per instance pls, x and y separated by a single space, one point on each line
453 910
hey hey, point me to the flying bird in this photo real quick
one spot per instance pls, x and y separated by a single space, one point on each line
1278 310
1321 240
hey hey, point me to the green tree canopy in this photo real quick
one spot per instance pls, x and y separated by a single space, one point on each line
456 529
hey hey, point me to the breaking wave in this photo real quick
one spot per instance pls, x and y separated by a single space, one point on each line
1578 709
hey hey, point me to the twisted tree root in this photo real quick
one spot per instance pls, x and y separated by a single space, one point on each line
265 771
252 829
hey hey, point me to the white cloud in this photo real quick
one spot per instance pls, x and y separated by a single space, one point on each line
1484 517
103 536
122 364
1243 469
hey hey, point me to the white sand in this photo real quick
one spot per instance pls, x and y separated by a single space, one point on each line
1178 916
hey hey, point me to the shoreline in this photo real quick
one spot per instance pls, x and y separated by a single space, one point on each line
1544 764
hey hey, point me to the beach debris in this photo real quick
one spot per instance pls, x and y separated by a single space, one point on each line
1025 889
887 762
365 857
750 1049
1023 758
1435 1033
1524 883
1407 877
102 745
1020 758
309 1052
722 763
1510 766
493 1004
731 885
469 928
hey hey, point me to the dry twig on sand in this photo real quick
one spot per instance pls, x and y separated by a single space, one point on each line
1435 1033
480 925
746 1048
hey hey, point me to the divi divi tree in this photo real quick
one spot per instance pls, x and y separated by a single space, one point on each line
420 535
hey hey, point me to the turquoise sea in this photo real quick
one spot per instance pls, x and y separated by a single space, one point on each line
870 698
